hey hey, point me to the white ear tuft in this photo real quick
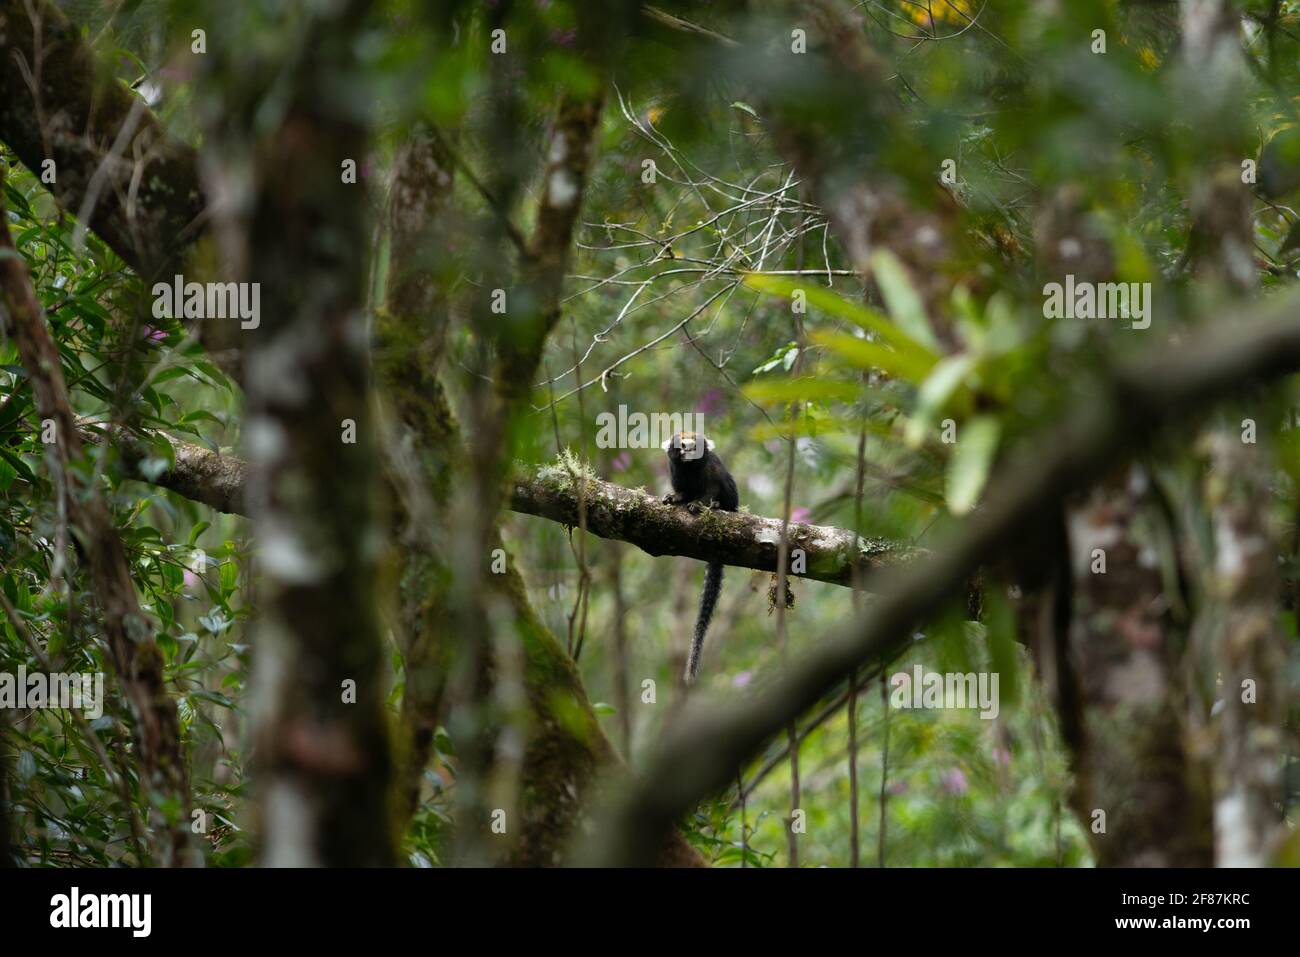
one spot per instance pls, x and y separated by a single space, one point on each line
708 445
667 445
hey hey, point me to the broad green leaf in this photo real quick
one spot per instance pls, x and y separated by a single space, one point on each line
229 577
866 354
968 470
967 319
824 299
944 381
801 390
172 574
902 299
18 465
777 358
175 372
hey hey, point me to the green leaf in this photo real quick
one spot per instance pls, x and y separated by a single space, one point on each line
801 390
944 381
972 459
866 354
175 372
229 577
901 298
827 301
18 465
778 358
214 696
172 574
213 373
200 415
239 856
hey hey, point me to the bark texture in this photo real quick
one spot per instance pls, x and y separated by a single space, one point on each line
113 160
1140 791
320 711
1236 628
564 747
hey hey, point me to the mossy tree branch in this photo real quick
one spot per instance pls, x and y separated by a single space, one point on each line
733 538
112 157
614 512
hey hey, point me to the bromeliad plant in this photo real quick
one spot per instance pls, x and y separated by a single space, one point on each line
946 400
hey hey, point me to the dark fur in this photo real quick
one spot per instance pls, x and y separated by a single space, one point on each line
700 481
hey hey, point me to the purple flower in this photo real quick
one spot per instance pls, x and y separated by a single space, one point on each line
622 462
564 38
1002 757
800 514
741 679
954 782
154 333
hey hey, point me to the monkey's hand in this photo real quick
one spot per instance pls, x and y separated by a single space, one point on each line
672 498
696 507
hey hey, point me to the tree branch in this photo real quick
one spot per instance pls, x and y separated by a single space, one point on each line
734 538
199 474
61 103
613 512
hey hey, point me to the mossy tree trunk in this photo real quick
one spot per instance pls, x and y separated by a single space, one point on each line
564 747
321 728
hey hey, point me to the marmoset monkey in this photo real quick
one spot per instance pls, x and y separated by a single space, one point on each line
700 480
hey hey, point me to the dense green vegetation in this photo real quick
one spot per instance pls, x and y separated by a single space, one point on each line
829 230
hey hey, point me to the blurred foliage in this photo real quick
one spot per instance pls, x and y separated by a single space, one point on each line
680 301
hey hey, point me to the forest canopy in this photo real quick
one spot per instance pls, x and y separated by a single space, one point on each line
534 432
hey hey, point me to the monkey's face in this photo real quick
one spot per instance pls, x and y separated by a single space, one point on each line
687 447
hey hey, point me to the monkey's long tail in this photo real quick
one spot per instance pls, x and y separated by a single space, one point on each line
709 598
